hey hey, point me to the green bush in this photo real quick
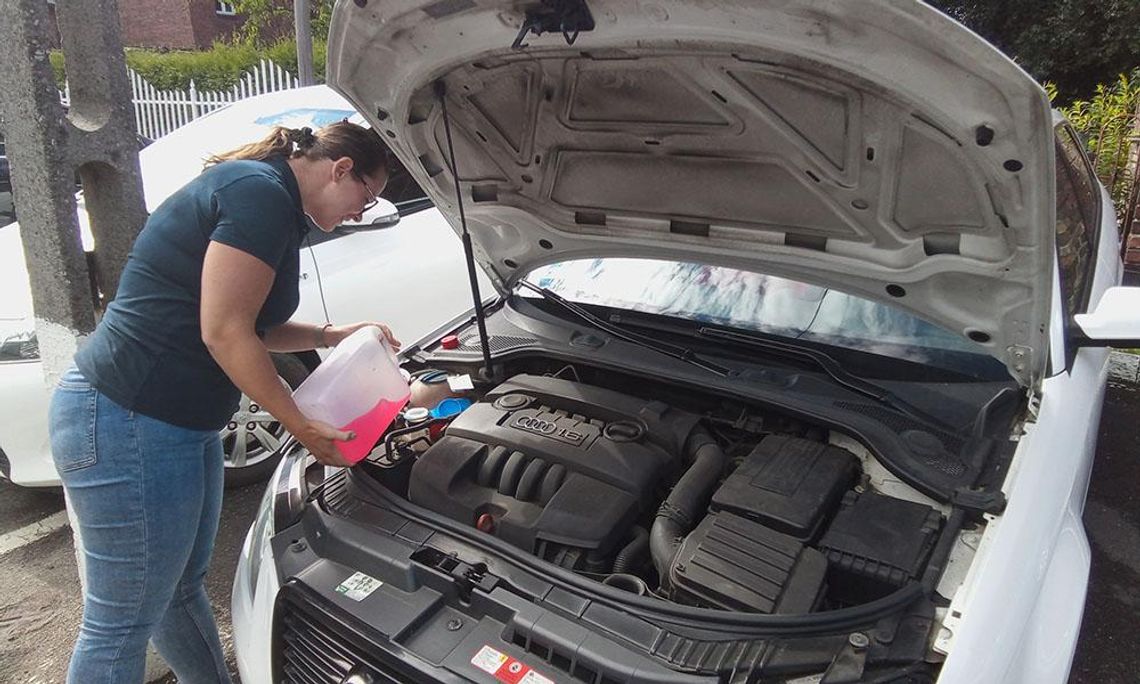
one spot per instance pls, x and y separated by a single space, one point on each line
1106 122
218 68
285 53
215 69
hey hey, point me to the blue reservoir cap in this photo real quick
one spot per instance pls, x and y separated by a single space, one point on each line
450 407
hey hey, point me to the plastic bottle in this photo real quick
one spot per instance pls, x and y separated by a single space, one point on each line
358 388
419 438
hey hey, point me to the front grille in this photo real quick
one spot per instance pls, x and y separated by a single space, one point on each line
313 646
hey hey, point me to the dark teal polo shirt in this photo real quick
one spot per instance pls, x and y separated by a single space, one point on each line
147 352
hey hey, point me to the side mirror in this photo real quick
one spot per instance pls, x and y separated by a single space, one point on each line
1114 323
383 215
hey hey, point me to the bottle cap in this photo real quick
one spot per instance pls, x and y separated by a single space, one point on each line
417 414
450 342
450 407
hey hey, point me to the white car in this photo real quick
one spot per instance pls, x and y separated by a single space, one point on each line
795 373
402 266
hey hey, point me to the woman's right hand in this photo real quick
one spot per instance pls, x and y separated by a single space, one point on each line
319 438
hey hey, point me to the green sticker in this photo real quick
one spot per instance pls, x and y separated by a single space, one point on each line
358 586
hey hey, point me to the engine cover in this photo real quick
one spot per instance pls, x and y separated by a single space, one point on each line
555 467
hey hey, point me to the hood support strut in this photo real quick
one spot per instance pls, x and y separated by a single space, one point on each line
468 251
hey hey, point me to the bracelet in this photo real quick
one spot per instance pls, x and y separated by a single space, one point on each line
321 341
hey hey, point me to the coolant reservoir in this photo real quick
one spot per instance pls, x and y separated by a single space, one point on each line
358 388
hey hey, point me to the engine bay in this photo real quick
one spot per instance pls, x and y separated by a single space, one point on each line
757 514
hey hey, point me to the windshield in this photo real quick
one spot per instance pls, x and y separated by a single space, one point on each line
769 304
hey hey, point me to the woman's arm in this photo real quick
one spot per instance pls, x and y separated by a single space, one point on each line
295 337
234 287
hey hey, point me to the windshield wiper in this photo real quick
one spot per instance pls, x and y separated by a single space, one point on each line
677 352
830 366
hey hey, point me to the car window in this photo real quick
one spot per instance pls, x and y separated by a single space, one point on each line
1078 206
762 303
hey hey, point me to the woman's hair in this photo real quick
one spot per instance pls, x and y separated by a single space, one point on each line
342 139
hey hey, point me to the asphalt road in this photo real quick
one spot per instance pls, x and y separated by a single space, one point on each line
40 597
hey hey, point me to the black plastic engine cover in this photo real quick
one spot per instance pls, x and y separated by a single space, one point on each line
788 484
548 460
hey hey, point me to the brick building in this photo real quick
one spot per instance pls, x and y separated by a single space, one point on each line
173 24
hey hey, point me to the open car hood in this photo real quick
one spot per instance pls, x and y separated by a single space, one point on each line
877 148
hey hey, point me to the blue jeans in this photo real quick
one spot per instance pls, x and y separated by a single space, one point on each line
147 495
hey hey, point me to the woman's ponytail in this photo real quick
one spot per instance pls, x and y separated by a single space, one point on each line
341 139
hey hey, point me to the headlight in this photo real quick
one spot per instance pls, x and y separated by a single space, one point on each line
259 536
280 507
22 346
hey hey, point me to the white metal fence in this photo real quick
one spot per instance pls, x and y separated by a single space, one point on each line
158 112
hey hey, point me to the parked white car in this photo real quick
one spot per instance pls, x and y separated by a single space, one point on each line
406 269
795 375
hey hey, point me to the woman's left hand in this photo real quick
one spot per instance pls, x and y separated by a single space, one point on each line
336 333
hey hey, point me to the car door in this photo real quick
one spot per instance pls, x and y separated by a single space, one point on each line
1088 263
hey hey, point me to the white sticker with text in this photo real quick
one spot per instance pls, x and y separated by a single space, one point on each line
460 383
359 586
489 660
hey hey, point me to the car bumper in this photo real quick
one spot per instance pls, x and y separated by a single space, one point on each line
252 611
24 402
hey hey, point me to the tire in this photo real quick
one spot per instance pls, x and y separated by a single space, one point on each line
259 457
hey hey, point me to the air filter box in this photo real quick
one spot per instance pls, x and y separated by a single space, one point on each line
732 563
876 544
788 484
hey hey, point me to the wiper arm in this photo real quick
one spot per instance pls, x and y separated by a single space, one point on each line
829 366
673 350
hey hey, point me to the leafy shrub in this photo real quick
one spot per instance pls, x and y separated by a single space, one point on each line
218 68
1107 122
267 21
215 69
284 52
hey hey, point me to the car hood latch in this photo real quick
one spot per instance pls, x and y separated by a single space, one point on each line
568 17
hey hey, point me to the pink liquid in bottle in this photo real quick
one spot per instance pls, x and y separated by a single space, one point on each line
368 428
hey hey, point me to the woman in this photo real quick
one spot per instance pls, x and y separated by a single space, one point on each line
206 294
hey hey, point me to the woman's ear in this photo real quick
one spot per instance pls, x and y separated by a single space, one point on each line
341 167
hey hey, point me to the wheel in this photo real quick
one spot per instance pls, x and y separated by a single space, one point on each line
252 438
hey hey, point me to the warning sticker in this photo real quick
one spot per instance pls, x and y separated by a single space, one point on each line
489 660
506 669
359 586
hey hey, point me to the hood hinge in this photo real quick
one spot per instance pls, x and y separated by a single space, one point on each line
1019 357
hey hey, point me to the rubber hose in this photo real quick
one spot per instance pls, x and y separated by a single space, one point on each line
632 551
678 513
